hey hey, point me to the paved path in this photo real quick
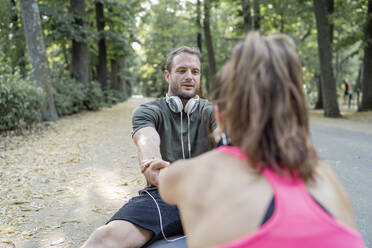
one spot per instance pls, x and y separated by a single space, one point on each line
347 146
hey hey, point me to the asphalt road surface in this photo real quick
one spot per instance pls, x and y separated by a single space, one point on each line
347 146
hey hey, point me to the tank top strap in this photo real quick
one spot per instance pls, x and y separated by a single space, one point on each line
288 191
233 151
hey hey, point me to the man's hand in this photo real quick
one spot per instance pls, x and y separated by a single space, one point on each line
151 169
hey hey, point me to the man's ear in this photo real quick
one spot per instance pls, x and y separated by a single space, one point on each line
166 75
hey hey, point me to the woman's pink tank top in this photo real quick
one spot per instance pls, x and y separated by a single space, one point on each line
297 220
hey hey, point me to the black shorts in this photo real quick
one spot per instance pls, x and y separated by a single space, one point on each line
142 211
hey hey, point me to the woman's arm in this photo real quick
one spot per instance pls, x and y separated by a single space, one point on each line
171 180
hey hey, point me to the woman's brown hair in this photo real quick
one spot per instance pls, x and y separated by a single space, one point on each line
260 96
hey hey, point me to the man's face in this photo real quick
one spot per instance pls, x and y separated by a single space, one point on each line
184 78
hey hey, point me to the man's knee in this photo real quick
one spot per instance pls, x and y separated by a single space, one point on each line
119 234
104 236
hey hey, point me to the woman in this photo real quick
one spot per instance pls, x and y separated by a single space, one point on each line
269 189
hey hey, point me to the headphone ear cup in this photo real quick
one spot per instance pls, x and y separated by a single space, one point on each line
191 105
174 103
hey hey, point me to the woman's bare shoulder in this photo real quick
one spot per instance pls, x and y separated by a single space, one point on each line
327 186
197 163
173 178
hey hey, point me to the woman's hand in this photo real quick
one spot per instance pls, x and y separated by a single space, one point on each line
151 169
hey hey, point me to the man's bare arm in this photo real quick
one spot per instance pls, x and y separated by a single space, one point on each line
147 141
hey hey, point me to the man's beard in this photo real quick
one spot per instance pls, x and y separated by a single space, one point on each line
176 90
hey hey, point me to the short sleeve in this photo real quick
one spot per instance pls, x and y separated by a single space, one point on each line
145 116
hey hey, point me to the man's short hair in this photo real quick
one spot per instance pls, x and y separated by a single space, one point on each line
183 49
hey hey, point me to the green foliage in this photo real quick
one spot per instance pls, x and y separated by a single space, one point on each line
154 28
94 97
120 28
68 93
120 17
165 26
72 96
168 24
59 28
12 40
20 100
112 97
129 78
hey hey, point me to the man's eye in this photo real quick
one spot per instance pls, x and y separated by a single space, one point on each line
182 71
195 72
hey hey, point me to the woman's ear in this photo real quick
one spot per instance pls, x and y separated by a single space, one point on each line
219 132
217 115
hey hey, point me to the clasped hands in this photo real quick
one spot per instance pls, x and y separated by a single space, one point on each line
151 169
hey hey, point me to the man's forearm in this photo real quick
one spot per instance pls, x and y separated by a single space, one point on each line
147 141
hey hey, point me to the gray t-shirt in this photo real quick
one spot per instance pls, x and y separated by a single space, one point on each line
158 115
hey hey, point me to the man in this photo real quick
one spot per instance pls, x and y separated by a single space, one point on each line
175 127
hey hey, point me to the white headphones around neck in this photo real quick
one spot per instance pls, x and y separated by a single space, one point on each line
175 104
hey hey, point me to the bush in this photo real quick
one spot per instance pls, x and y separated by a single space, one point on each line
94 96
114 96
68 93
72 96
20 101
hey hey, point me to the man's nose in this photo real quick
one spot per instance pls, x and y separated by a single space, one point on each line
188 74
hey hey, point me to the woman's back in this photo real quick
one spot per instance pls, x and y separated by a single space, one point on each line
225 200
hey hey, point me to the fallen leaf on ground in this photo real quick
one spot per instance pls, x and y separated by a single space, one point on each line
70 221
58 242
9 242
8 229
96 209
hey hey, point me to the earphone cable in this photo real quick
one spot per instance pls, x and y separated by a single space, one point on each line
183 150
188 134
161 221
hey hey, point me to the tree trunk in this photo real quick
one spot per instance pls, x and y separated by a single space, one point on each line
319 102
367 64
257 15
102 53
122 84
199 27
114 74
358 85
209 45
330 10
247 17
199 40
37 54
80 50
359 78
20 59
282 16
325 58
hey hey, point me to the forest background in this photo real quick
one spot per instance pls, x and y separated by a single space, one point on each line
61 57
